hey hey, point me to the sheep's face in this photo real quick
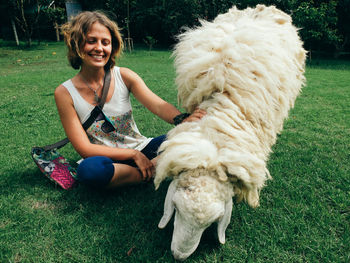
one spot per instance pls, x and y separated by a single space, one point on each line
197 206
191 219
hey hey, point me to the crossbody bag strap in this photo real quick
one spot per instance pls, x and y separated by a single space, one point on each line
93 115
95 112
105 88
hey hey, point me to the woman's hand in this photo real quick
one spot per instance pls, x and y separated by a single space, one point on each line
196 115
145 166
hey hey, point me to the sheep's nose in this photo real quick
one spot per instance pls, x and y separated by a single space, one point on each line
179 256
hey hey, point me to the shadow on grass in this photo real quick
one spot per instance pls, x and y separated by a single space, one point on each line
127 217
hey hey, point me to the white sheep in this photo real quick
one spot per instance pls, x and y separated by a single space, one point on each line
245 69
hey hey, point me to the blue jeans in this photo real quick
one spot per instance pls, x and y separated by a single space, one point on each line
97 171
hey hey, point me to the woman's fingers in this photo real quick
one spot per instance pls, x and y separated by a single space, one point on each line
196 115
145 166
148 173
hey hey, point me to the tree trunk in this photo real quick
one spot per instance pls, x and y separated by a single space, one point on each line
57 32
128 26
29 41
14 31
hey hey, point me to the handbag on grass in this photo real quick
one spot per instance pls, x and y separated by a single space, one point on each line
51 163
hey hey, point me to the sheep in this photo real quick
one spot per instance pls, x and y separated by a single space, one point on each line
245 69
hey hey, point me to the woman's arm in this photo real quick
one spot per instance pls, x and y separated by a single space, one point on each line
151 101
143 94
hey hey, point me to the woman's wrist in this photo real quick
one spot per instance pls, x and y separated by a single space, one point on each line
134 154
180 118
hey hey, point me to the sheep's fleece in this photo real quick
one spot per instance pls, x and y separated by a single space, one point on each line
245 69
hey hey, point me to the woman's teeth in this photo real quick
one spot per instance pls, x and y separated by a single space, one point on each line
97 56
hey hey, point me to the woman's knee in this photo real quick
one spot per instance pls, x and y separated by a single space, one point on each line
96 171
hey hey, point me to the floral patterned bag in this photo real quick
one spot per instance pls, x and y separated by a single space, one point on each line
55 167
51 163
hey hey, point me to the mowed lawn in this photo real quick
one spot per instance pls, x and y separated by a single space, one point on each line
304 214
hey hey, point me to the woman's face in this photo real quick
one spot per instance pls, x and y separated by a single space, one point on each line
98 46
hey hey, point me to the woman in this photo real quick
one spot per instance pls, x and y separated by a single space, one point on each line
120 155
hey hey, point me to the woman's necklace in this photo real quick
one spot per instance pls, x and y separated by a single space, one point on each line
97 99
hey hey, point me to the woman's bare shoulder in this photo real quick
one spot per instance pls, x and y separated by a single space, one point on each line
62 94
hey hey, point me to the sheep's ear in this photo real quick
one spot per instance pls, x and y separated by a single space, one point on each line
225 221
168 205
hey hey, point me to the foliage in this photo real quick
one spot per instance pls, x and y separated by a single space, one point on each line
34 18
304 213
343 10
26 14
324 24
318 23
57 14
150 42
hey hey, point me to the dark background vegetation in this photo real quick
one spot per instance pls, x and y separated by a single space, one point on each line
324 24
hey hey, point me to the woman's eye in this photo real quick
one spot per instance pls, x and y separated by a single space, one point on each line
106 42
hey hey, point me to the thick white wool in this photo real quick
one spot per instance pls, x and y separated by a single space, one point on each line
245 69
197 190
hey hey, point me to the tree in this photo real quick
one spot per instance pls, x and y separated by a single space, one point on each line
343 10
324 24
55 15
26 14
129 40
318 23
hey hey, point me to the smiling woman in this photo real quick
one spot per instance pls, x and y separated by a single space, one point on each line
119 155
76 33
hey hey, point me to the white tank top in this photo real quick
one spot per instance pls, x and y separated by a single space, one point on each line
119 112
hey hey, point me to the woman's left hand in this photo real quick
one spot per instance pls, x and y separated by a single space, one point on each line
196 115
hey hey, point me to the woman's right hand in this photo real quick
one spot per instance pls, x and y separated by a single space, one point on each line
145 166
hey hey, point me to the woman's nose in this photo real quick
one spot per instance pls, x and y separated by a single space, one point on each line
98 46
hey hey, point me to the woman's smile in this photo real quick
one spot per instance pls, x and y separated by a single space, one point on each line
97 57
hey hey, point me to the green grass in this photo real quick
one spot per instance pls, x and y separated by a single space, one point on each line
305 210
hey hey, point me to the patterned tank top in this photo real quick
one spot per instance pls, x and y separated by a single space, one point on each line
119 112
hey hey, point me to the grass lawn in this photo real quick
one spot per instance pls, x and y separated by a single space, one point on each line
305 210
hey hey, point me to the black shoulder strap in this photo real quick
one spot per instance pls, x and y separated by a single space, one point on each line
93 115
105 88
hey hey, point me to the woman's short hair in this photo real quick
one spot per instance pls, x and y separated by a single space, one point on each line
75 32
